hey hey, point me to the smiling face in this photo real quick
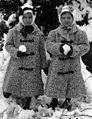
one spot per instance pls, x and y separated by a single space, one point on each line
27 19
67 19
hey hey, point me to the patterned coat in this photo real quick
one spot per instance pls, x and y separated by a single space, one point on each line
23 76
65 78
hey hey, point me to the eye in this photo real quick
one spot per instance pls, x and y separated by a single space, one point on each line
62 17
24 17
30 17
68 17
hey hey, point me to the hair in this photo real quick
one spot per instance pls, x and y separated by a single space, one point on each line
67 12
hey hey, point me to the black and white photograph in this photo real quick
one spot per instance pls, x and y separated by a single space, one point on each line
45 59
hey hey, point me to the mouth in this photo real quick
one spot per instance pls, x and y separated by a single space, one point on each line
67 24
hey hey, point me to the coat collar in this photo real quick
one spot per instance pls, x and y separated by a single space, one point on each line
19 26
66 34
73 29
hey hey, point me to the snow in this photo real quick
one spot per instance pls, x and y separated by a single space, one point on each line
87 29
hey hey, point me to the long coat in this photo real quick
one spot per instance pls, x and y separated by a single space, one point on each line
23 76
65 78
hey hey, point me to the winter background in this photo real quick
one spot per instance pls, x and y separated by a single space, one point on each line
82 108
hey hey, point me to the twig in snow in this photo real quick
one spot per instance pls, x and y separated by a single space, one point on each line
2 114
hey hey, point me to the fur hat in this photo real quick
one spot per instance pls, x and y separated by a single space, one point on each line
26 8
64 9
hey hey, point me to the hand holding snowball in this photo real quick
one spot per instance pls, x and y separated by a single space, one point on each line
21 51
66 49
22 48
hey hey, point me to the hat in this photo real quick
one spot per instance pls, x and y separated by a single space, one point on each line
26 8
64 9
68 9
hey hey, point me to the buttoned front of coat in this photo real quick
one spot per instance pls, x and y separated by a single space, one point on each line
65 78
23 75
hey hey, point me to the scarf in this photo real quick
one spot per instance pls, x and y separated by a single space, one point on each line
66 28
26 30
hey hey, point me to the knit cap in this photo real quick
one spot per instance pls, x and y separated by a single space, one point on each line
64 9
26 8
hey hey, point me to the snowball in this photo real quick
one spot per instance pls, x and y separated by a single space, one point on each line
22 48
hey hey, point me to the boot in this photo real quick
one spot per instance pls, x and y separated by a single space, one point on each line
66 105
54 103
27 103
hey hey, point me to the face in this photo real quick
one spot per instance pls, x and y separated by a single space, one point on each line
27 19
66 19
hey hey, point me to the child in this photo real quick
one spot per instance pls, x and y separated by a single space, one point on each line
25 43
66 45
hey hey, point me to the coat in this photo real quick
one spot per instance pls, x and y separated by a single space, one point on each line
65 79
23 76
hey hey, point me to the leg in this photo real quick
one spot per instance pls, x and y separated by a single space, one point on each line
36 97
68 99
53 103
69 104
66 104
27 103
33 104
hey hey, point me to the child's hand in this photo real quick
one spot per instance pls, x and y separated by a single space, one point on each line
21 54
22 51
66 50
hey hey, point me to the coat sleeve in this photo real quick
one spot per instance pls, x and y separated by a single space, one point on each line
52 46
42 52
82 46
10 47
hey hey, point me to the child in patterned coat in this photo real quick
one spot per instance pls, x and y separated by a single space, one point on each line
66 45
25 44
